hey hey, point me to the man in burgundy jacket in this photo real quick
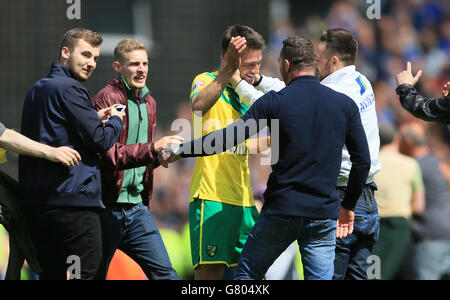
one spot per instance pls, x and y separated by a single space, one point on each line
127 168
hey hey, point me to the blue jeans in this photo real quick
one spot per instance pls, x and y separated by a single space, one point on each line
353 251
131 229
272 234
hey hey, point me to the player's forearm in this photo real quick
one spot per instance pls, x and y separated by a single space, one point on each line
20 144
208 97
212 92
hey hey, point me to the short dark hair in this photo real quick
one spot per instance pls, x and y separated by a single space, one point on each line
71 37
340 42
254 40
299 52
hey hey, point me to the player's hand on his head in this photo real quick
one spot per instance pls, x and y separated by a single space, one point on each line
407 76
235 49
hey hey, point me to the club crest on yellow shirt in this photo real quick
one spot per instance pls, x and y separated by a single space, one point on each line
211 250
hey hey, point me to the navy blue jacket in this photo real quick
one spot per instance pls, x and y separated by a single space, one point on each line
314 123
58 112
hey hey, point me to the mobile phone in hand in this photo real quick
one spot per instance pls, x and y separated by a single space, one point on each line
120 108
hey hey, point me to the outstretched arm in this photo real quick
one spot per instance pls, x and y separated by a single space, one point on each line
20 144
428 109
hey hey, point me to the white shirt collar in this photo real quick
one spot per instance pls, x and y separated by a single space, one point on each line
335 76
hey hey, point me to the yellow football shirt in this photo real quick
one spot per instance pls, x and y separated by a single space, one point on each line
223 177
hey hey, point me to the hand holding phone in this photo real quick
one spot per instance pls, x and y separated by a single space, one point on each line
120 108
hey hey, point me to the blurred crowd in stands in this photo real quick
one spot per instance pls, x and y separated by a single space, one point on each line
415 30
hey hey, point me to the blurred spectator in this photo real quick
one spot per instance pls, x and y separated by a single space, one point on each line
431 229
386 110
400 194
343 15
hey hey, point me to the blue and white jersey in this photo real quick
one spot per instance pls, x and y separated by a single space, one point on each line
355 85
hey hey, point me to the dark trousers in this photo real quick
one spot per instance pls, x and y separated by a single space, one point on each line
68 241
392 246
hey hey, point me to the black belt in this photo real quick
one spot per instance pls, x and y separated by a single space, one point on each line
373 186
369 187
